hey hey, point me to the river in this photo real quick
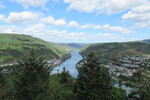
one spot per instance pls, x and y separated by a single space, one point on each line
70 65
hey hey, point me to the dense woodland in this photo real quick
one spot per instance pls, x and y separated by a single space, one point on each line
30 79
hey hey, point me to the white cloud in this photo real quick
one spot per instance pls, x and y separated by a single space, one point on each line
108 36
107 28
41 31
35 3
60 22
35 17
117 29
34 29
60 35
91 26
9 29
73 24
48 20
84 5
104 6
140 16
51 21
97 27
22 17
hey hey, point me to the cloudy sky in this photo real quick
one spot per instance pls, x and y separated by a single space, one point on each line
84 21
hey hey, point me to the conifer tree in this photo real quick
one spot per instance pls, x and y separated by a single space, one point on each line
66 78
32 78
93 81
2 84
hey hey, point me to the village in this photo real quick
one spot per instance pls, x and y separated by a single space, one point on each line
54 62
127 65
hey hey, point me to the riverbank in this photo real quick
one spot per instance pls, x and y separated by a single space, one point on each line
54 62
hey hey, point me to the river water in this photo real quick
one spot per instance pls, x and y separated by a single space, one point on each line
70 66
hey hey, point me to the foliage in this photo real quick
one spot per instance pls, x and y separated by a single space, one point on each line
6 83
117 94
59 90
32 74
2 85
31 80
93 82
66 78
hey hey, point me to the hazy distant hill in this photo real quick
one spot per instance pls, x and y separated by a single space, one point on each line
117 50
74 45
12 46
147 40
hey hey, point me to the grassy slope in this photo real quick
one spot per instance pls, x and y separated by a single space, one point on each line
117 50
12 46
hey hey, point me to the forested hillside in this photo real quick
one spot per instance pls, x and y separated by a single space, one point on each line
117 50
12 46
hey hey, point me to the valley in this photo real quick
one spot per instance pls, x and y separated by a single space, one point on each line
123 60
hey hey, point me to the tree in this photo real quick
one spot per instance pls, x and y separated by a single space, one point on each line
2 84
118 94
93 81
32 75
141 82
66 78
6 86
60 91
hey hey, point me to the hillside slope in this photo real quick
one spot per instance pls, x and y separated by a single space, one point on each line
117 50
13 46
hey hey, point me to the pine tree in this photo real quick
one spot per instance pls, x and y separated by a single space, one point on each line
2 84
93 81
32 78
66 78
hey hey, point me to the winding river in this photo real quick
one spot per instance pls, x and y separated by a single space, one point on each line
70 66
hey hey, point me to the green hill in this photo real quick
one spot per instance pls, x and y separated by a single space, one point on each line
13 46
117 50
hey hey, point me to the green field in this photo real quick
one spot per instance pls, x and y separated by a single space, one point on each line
13 46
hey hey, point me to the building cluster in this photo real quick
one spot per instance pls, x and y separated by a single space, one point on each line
127 65
54 61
